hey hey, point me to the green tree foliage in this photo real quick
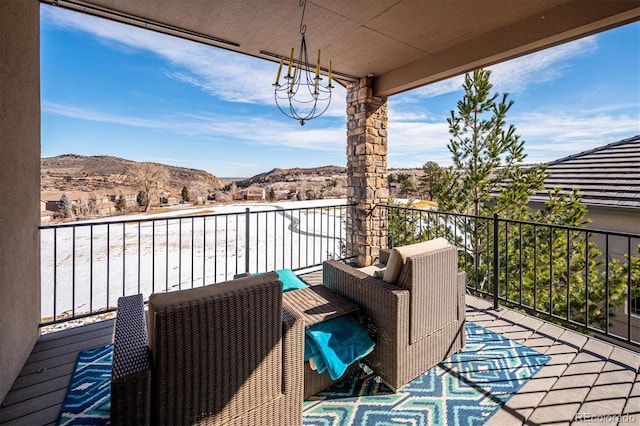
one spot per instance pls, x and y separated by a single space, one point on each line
272 195
487 154
406 186
185 194
430 180
65 206
560 271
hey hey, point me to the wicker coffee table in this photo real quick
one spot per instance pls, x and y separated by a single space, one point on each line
316 304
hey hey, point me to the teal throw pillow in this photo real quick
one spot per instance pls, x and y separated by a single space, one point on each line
290 281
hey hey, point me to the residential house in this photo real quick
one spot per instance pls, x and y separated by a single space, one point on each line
168 199
84 204
130 196
608 178
46 215
252 193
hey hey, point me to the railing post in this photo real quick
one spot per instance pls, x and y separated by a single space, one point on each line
246 239
496 261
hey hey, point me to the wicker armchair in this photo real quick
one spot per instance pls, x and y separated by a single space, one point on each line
228 353
417 321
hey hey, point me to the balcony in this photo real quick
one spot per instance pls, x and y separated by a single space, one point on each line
381 53
87 266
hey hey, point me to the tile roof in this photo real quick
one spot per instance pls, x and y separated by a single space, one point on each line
607 176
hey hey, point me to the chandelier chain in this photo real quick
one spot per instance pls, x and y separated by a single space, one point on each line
303 26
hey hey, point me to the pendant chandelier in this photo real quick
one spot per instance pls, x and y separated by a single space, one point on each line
301 95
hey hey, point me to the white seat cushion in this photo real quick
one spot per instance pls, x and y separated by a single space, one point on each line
399 255
373 270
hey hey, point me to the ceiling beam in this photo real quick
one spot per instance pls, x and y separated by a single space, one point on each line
567 22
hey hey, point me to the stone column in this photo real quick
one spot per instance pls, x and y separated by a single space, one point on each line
366 171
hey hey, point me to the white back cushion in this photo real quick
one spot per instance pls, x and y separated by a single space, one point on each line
400 254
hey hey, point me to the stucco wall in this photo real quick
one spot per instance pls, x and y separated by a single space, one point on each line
20 185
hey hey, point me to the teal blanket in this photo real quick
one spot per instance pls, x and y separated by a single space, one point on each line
335 344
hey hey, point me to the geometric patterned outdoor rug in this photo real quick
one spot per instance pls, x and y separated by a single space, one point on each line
466 389
89 392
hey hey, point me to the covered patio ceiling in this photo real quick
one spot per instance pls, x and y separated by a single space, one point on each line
404 44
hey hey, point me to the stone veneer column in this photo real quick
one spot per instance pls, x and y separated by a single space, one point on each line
366 171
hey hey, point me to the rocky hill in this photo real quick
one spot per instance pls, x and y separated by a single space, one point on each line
300 183
294 175
91 173
85 174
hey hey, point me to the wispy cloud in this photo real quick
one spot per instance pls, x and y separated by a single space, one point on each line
242 79
415 134
552 132
517 74
226 75
247 128
548 135
556 134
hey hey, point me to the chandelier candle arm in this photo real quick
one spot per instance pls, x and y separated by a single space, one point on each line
290 63
280 71
318 65
330 66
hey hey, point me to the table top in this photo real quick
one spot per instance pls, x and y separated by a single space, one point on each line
317 303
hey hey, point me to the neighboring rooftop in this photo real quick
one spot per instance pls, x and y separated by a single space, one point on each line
607 176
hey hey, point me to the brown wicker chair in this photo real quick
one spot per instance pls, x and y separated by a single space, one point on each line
417 322
228 353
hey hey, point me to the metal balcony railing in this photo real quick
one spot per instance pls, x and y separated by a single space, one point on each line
582 278
87 266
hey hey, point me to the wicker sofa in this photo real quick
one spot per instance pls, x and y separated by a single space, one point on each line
228 353
418 320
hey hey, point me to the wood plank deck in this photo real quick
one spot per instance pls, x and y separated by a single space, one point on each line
38 392
585 379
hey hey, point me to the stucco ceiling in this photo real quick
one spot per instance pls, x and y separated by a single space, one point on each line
403 43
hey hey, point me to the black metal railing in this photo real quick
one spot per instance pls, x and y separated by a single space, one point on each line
87 266
587 279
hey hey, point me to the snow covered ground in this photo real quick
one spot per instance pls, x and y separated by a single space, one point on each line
89 265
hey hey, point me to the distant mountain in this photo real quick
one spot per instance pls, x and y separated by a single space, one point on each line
89 173
299 183
294 175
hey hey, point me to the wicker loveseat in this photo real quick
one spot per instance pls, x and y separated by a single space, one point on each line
417 320
227 353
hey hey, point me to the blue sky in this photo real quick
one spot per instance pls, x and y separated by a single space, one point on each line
111 89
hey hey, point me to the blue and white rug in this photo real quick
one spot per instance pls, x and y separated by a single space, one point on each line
466 389
88 400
